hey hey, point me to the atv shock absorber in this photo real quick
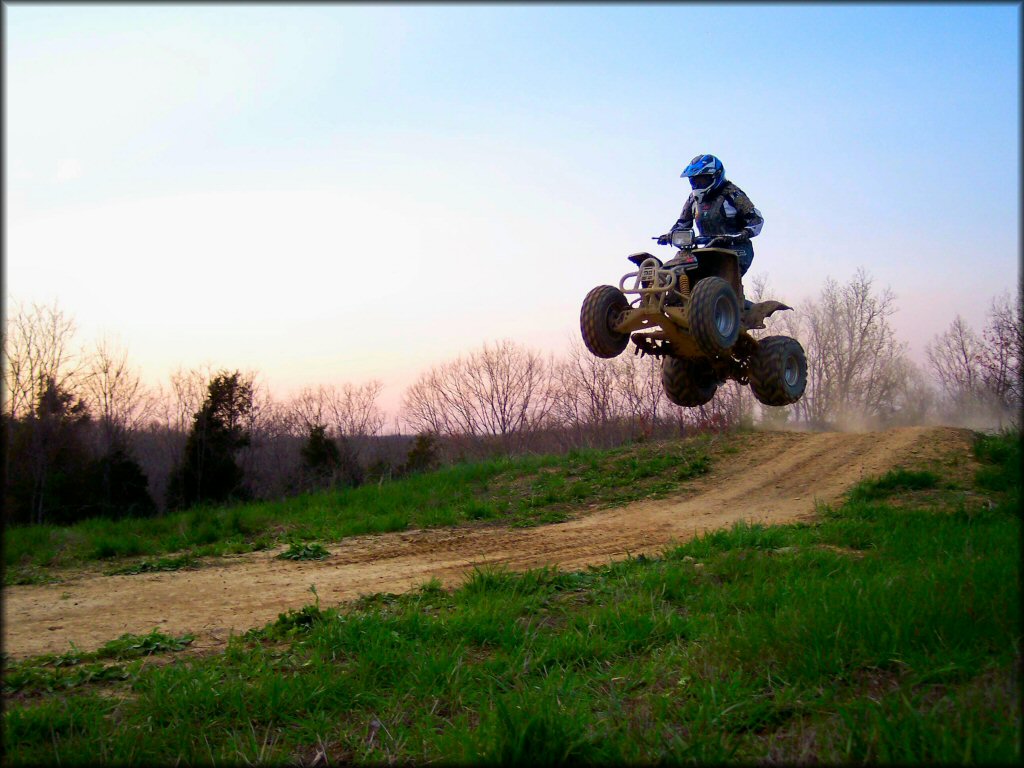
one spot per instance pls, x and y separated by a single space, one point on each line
684 286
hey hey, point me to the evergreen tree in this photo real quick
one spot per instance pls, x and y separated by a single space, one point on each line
49 459
327 462
351 471
119 486
321 459
209 471
423 454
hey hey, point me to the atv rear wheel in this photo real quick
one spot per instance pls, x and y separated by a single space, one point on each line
600 311
688 382
714 316
778 370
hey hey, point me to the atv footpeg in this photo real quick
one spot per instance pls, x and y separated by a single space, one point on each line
645 345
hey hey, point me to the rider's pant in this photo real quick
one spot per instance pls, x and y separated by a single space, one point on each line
745 255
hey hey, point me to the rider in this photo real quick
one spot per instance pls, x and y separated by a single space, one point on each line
724 214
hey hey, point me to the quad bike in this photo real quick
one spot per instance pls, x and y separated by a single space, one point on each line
690 311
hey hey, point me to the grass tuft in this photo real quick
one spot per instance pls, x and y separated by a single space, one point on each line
130 646
893 481
179 563
299 551
1001 453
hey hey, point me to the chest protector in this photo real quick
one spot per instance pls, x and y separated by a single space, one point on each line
716 216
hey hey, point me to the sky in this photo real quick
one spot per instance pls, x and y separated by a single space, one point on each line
334 193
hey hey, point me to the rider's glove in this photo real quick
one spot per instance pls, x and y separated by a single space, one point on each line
665 239
726 240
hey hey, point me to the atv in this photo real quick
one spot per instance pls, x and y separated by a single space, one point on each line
690 312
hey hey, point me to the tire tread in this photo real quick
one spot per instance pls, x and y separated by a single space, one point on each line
680 383
767 368
702 315
598 337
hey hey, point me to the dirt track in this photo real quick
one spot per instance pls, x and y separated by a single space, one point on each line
779 478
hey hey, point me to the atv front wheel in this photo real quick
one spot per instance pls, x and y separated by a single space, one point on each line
714 316
600 311
688 382
778 370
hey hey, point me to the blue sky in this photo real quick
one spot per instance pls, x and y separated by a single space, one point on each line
336 173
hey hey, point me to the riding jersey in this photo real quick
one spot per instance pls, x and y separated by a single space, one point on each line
724 211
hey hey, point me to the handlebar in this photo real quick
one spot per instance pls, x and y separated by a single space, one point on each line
711 239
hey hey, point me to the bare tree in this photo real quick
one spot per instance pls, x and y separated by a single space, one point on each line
1002 353
979 376
44 416
270 460
639 387
188 391
760 287
115 394
424 408
955 358
353 409
507 386
854 359
586 392
915 401
460 409
37 349
502 390
350 410
308 410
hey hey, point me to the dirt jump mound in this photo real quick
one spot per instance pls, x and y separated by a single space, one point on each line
779 477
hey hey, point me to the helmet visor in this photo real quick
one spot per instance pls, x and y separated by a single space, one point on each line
701 180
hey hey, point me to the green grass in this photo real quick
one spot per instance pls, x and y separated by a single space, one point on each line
298 551
527 490
180 563
59 672
1002 455
880 633
894 481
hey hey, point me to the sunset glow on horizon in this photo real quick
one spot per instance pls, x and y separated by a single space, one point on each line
334 193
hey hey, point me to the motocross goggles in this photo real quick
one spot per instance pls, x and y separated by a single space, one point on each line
702 180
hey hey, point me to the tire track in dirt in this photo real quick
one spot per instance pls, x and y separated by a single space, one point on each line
779 477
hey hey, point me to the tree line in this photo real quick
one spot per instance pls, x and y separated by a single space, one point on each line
83 435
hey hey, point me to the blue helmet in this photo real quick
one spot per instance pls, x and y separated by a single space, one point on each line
705 173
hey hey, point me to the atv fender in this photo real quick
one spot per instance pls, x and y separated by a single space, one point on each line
753 318
641 257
